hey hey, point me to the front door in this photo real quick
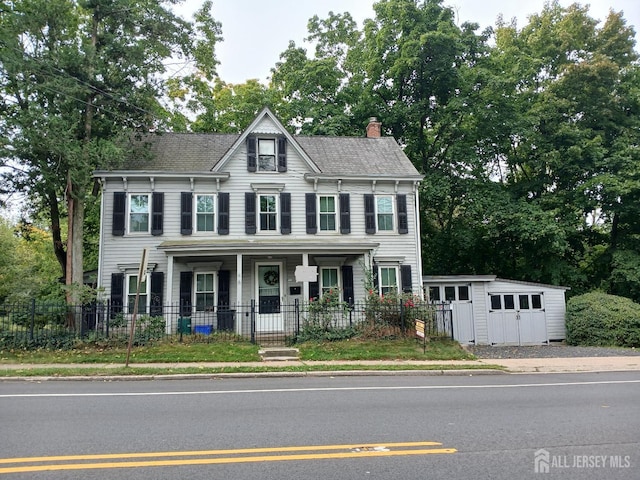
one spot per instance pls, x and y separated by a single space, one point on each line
269 288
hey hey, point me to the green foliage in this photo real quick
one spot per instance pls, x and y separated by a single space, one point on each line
600 319
325 318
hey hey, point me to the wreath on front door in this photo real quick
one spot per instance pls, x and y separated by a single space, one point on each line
271 277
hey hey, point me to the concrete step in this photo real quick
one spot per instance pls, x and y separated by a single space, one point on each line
278 354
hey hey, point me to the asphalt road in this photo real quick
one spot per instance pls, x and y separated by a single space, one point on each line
576 426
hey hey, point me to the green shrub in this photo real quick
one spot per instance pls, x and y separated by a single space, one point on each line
599 319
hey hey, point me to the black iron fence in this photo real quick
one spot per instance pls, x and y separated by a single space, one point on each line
39 325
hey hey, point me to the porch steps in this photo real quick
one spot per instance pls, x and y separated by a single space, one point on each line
279 354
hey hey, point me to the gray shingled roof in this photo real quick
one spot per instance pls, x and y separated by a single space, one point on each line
194 152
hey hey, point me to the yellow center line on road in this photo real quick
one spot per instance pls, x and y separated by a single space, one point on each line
356 451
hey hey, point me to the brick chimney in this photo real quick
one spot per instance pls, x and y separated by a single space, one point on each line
374 129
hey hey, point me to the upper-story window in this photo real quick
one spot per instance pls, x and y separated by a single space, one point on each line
266 155
384 212
139 213
205 213
327 213
268 212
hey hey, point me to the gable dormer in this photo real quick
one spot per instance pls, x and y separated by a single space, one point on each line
267 143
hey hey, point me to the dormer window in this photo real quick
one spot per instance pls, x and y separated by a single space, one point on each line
266 154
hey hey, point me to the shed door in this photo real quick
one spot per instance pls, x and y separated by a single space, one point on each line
516 319
533 321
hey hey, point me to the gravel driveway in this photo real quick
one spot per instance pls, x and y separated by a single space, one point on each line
549 351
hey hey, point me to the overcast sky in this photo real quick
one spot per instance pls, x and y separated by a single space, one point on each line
256 32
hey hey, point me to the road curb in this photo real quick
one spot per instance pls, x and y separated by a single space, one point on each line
219 376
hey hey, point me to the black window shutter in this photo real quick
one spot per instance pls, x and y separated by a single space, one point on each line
186 284
403 220
157 290
282 154
224 287
119 213
186 213
314 290
310 208
157 213
251 154
347 285
369 213
223 214
345 213
285 213
250 213
117 294
405 278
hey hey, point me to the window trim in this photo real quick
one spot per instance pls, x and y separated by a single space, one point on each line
396 287
214 213
321 286
334 213
274 140
275 213
213 292
129 213
391 213
146 293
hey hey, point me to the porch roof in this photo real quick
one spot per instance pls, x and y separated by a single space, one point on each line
195 247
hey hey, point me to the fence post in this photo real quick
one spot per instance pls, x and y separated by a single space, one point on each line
32 319
402 314
297 313
351 311
253 321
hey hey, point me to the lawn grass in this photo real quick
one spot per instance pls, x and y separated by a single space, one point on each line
396 349
231 351
169 352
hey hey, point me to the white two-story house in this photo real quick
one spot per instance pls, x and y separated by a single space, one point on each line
257 220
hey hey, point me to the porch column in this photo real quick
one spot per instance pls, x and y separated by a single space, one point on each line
305 285
169 297
239 302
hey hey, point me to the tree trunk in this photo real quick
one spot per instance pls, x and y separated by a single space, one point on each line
56 234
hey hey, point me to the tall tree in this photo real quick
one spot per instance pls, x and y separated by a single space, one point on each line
78 77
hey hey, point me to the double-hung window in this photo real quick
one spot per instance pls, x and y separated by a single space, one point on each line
205 213
388 280
132 286
205 291
384 212
329 279
268 213
266 155
139 208
327 213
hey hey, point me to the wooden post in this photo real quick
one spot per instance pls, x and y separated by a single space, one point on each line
141 272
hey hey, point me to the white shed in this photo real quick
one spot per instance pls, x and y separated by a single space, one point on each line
494 311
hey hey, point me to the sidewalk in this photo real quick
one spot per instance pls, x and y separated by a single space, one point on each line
449 367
